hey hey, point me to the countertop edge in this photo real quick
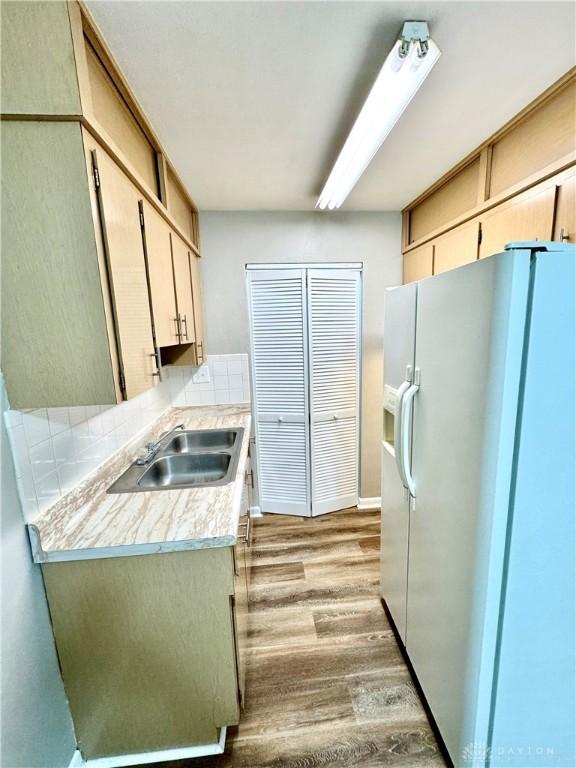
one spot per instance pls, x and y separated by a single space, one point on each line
125 550
40 555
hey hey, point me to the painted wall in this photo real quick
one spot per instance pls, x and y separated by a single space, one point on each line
37 729
231 239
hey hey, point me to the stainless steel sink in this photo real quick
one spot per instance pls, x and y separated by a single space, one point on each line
203 439
190 459
185 470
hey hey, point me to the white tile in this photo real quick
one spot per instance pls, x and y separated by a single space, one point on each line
13 418
194 397
42 460
222 396
70 475
246 394
236 396
76 414
219 368
59 419
107 418
180 398
235 365
36 426
235 381
207 398
82 437
95 425
220 382
27 492
64 447
19 446
48 491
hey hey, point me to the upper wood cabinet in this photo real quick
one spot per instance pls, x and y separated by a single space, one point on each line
55 343
183 286
546 134
565 215
456 196
419 263
85 307
160 273
458 247
113 114
198 307
518 185
38 63
120 221
526 217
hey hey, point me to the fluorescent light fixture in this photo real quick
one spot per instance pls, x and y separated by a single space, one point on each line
405 69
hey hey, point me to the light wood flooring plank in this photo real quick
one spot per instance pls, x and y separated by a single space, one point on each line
326 686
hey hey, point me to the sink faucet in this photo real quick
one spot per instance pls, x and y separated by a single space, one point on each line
152 448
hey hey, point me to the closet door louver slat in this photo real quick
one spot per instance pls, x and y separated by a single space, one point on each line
334 348
279 354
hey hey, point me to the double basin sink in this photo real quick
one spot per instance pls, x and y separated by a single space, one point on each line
188 459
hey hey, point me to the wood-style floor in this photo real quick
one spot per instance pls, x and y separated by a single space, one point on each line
326 683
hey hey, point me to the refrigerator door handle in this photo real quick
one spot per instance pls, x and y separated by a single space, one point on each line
402 389
406 420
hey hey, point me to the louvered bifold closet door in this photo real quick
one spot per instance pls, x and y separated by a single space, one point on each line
277 305
334 343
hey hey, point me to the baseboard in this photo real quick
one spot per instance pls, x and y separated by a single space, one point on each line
256 512
159 756
370 502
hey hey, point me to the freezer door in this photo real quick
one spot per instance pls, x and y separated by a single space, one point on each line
399 336
469 338
536 695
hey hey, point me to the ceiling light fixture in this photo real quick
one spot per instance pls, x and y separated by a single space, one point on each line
405 69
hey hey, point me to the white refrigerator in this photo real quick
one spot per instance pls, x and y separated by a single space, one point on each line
478 503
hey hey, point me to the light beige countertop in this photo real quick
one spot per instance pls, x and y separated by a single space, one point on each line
89 523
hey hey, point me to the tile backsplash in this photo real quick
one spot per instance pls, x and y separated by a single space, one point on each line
55 448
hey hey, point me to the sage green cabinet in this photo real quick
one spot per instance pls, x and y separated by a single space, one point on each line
55 344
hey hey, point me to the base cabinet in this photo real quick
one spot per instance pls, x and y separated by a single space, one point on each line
148 647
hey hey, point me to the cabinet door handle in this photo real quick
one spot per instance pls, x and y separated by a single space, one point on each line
178 329
247 530
156 356
184 321
199 351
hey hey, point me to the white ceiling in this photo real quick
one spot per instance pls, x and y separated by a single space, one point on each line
253 100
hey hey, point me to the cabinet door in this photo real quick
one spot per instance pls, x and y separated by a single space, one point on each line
240 609
565 215
120 219
418 263
183 283
458 247
198 308
161 276
528 216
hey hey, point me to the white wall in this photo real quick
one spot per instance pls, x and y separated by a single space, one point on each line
37 728
231 239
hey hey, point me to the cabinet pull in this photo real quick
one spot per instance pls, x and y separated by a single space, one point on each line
564 238
199 351
156 356
178 328
184 320
245 530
